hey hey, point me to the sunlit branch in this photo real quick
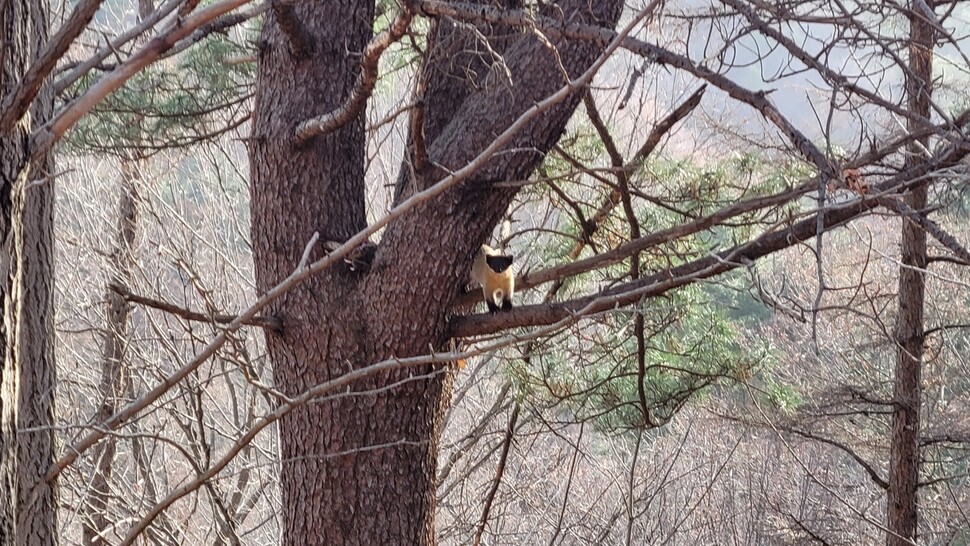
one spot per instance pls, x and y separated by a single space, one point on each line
46 136
18 100
664 281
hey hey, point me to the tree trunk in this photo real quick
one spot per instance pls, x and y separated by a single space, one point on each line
902 497
27 516
360 469
114 385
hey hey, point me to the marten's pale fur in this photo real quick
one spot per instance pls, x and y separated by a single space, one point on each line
493 272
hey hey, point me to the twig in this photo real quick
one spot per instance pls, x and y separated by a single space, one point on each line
94 60
499 472
46 136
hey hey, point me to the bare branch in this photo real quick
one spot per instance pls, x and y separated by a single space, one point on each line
94 60
926 225
869 469
18 100
517 18
46 136
656 238
499 472
688 273
273 323
365 82
839 80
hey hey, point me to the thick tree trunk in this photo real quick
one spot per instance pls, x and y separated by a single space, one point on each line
902 505
360 469
27 516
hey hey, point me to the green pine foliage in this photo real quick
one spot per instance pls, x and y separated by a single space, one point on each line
692 335
178 101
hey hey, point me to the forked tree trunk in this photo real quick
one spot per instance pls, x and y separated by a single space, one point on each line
360 469
902 499
27 513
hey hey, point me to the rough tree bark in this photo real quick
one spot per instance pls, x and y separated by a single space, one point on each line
338 487
902 497
27 389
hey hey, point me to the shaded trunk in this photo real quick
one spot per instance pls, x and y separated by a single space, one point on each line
27 513
902 498
360 469
114 386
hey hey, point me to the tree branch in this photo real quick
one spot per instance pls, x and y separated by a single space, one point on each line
94 60
18 100
273 323
553 28
661 282
651 240
927 225
839 80
46 136
499 472
365 82
869 469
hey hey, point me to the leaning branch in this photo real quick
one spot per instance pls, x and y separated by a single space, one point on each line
622 252
837 79
664 281
866 466
46 136
365 83
273 323
16 103
927 225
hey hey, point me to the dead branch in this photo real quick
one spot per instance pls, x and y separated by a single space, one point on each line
272 323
